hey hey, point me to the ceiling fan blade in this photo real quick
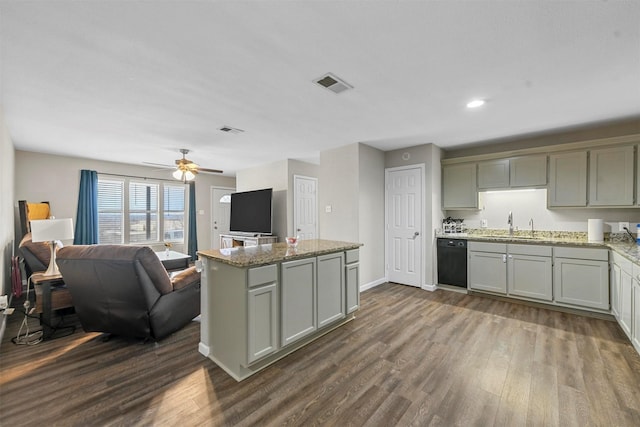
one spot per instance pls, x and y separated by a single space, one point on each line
159 165
209 170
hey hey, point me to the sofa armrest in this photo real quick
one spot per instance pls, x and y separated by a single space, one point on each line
185 278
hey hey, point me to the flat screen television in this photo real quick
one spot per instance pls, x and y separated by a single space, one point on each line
251 212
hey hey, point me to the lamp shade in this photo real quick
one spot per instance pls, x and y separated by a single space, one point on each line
46 230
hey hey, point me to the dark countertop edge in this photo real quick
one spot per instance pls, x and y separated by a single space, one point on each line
307 254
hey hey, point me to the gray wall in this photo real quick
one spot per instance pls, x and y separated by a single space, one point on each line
352 183
7 178
371 213
552 137
58 178
7 161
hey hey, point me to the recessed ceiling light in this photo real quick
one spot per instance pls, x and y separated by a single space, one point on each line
475 103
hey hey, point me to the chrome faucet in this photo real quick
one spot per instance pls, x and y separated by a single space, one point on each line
531 224
510 222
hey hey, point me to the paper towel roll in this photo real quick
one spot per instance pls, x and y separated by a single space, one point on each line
594 232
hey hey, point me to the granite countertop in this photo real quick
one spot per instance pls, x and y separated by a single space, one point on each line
629 250
276 252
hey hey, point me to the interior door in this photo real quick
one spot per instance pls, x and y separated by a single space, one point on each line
305 207
220 213
404 225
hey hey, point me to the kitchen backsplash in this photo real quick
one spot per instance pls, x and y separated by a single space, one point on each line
532 204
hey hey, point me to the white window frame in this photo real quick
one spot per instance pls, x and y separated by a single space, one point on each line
126 180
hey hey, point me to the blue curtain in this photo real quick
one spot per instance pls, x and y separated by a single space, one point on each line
87 215
193 235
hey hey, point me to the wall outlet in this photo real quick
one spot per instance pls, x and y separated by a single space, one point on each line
327 209
484 223
622 225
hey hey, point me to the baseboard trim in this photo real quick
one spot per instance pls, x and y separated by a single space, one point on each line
429 288
373 284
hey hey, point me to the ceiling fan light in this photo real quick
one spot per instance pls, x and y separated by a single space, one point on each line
177 174
188 176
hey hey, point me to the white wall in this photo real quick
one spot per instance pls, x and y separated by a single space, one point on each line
57 179
532 204
7 235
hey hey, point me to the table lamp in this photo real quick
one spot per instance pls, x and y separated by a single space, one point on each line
50 230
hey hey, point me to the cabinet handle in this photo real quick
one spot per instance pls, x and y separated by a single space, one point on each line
504 257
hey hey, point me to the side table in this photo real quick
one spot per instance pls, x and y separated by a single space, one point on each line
173 260
51 294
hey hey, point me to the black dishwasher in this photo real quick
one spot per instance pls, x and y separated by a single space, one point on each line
452 262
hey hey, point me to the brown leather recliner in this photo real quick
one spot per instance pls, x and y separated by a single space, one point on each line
126 291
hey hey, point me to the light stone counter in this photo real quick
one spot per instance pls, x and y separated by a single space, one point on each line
276 252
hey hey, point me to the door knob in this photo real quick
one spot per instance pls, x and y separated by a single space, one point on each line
416 234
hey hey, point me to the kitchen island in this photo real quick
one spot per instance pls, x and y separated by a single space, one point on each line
260 303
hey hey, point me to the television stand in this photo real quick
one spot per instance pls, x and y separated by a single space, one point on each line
233 240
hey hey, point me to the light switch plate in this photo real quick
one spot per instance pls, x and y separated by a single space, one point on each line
622 225
327 209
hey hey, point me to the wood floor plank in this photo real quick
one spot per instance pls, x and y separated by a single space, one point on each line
410 358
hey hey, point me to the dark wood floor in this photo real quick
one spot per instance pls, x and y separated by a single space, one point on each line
410 358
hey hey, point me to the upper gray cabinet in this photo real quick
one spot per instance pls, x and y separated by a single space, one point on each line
517 172
567 179
611 176
459 189
528 171
493 174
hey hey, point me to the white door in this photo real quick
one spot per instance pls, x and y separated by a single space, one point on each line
305 207
220 213
404 225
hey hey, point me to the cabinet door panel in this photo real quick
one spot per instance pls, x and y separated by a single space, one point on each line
353 287
611 177
263 321
626 302
331 291
635 327
298 299
528 171
568 179
615 290
488 271
459 186
531 277
493 174
581 282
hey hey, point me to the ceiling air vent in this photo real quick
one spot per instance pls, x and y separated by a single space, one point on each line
229 129
333 83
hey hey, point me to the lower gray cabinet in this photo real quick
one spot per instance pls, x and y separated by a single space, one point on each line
298 310
581 277
331 289
530 272
488 267
263 321
635 324
262 312
352 280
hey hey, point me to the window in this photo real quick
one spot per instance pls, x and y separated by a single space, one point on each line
138 211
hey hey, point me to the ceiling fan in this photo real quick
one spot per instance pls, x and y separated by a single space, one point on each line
186 170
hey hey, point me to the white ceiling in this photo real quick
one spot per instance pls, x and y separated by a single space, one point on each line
134 81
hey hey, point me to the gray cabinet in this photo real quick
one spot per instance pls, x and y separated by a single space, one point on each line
459 189
614 282
626 302
352 280
493 174
611 176
567 179
330 288
581 277
488 267
298 309
528 171
530 272
635 318
262 312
